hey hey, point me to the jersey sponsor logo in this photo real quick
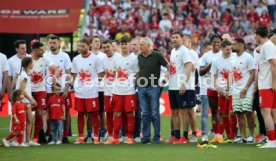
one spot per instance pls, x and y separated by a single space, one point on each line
109 75
85 76
36 77
122 74
225 74
237 74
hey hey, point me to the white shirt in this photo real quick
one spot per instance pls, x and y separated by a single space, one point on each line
87 70
241 67
109 66
28 89
38 74
165 23
126 69
15 65
63 63
179 57
222 67
207 58
268 52
3 67
101 56
202 80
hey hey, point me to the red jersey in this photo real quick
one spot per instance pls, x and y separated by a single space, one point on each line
54 105
19 109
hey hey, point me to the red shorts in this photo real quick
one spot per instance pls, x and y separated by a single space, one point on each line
267 98
124 103
17 128
40 98
108 104
86 104
212 93
68 99
224 105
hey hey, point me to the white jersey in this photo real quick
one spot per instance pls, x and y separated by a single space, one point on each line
202 80
38 74
222 67
194 58
207 58
87 70
241 67
3 67
109 66
268 52
15 65
126 69
28 89
63 63
179 57
101 56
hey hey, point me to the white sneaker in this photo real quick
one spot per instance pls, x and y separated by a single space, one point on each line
211 134
262 139
269 144
89 140
52 143
125 140
121 139
250 140
137 140
204 138
24 145
6 143
193 139
59 142
14 143
32 143
102 140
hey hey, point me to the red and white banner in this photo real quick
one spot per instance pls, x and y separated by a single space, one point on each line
39 16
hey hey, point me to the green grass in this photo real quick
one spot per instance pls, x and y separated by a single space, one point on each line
136 152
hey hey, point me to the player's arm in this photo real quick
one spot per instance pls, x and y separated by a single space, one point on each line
63 111
5 82
68 81
23 87
273 73
248 84
188 70
204 69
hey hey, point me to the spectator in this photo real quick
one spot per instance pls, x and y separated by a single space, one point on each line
103 33
265 20
227 5
261 7
165 22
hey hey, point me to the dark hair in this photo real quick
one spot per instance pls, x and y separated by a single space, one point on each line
124 39
205 44
107 42
95 37
177 33
262 31
85 41
18 42
240 41
116 41
274 31
188 36
55 85
15 95
225 43
37 45
25 63
53 37
215 36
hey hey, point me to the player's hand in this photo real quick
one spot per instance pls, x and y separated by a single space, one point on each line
182 90
33 103
17 121
243 93
227 94
220 91
65 93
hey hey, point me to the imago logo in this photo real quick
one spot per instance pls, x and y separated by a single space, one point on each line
34 12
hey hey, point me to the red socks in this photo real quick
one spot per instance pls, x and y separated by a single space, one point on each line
130 125
109 123
117 126
271 135
95 122
38 125
215 128
81 123
226 125
220 129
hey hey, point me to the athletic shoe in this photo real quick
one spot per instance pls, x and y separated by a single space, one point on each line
145 141
31 143
193 139
102 140
112 141
161 137
204 138
42 137
206 145
80 140
35 140
65 140
261 144
240 140
156 141
228 141
171 140
130 141
216 140
258 136
14 143
52 143
250 140
23 145
6 143
96 140
211 134
125 139
137 140
269 144
59 142
261 140
88 140
182 140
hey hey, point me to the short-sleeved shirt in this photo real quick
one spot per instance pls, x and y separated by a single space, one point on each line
15 65
19 109
151 65
3 67
23 75
101 56
55 106
268 52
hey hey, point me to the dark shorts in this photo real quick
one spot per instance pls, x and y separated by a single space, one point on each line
101 101
188 100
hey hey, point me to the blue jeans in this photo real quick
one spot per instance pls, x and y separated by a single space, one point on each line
204 113
138 119
149 102
56 126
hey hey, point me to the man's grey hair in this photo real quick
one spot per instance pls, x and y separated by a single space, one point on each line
147 40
